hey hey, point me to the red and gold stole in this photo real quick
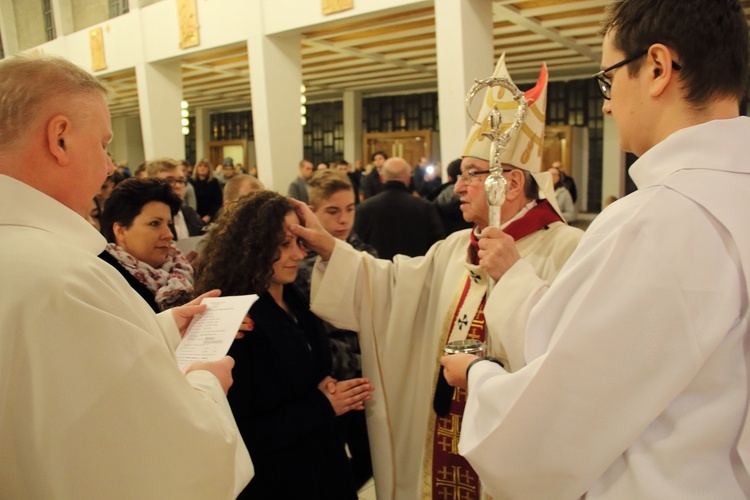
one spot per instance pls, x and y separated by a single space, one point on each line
452 476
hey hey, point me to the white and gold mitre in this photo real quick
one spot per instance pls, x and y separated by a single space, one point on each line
525 148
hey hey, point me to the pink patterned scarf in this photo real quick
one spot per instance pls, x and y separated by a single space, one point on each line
171 284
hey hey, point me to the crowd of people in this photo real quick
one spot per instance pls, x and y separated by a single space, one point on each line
617 359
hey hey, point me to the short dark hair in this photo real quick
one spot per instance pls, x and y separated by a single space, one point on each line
530 186
243 245
115 178
376 153
128 198
709 36
454 169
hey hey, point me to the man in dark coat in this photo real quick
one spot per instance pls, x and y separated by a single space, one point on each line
394 221
371 184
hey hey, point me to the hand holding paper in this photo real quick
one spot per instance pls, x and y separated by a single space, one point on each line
210 333
221 369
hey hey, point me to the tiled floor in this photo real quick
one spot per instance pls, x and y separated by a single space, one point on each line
368 491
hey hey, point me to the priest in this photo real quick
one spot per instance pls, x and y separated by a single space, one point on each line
407 309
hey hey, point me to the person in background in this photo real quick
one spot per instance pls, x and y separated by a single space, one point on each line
355 175
93 402
108 185
567 180
394 221
417 175
140 171
431 181
92 216
135 222
124 170
239 186
638 364
227 172
189 197
186 222
298 188
372 183
448 202
207 191
284 400
235 188
564 199
608 201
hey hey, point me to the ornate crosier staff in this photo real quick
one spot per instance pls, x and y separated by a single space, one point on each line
495 185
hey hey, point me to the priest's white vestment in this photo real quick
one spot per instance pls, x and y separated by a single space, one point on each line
92 403
639 353
403 310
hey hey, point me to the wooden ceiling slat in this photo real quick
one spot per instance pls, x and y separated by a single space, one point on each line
356 25
378 54
400 40
215 54
385 31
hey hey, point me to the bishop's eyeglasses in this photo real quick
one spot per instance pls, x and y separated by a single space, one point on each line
604 83
469 175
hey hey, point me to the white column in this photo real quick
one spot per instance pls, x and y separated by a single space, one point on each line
8 28
352 126
275 76
127 141
62 12
613 161
464 52
159 97
202 133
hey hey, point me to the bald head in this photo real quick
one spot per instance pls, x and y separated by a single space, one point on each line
239 186
397 169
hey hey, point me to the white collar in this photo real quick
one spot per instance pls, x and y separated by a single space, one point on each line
22 205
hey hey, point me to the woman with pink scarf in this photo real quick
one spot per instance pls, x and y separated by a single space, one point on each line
136 222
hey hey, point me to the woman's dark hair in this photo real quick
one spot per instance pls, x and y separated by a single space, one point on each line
243 246
128 198
710 38
376 153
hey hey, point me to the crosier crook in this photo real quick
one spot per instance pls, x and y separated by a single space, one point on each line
495 185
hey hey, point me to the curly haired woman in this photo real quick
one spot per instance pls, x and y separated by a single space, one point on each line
283 398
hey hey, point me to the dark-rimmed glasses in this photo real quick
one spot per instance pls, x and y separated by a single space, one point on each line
173 181
469 176
603 82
